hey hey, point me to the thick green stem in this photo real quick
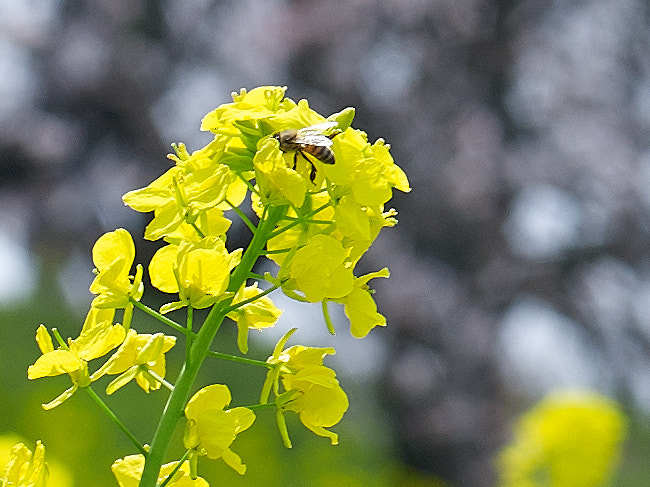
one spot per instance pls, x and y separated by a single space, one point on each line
199 350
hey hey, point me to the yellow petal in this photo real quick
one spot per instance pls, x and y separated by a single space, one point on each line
44 340
53 363
212 397
233 461
161 269
111 246
61 398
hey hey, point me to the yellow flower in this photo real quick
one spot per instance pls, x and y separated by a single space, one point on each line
59 474
128 471
318 270
278 183
113 255
98 337
261 313
368 171
138 354
259 103
312 390
360 308
199 183
25 469
211 430
569 439
198 271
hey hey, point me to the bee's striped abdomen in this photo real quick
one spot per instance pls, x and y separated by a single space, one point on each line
322 153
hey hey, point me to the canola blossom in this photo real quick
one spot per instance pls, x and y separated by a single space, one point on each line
312 217
211 430
310 389
25 468
569 439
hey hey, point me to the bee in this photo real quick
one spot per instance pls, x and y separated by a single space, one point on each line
315 140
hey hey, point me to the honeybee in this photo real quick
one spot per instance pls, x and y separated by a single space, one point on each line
314 140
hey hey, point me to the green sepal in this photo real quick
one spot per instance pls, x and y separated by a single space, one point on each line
282 427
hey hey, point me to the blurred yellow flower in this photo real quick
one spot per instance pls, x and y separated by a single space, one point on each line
25 468
59 475
569 439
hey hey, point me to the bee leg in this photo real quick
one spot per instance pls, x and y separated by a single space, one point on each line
312 172
295 160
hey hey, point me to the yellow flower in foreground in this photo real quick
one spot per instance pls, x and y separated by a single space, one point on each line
318 269
261 313
98 337
569 439
113 256
137 356
128 471
198 271
259 103
313 389
360 308
25 469
211 430
278 184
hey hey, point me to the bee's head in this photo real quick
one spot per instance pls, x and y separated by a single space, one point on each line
285 136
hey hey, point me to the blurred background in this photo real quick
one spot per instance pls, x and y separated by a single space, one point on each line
520 265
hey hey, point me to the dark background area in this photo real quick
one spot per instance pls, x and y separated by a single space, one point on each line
520 263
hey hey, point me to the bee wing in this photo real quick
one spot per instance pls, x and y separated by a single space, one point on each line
320 128
313 139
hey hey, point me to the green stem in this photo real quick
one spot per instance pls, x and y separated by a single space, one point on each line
243 217
304 220
198 230
189 332
241 360
239 304
160 317
199 350
260 406
277 251
328 320
248 183
297 222
178 465
109 412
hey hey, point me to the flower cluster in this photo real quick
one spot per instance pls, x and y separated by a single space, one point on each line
318 189
327 223
113 255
